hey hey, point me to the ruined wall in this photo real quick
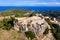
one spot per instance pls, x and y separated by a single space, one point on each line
34 24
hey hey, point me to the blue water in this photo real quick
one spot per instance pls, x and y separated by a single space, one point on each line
34 8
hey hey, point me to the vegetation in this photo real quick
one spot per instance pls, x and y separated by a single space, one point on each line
7 23
46 31
32 14
48 20
24 15
52 14
17 13
55 29
30 34
1 24
56 33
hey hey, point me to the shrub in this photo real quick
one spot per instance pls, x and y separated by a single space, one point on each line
46 31
32 14
30 34
48 21
17 15
8 23
55 28
8 27
57 36
1 24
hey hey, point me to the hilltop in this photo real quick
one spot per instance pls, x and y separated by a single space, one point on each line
28 25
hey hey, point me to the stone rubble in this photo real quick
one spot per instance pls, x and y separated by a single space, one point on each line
34 24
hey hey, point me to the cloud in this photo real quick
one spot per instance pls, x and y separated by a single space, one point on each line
37 3
44 4
58 3
30 3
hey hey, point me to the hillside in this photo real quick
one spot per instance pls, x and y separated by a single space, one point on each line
53 14
32 28
16 12
27 25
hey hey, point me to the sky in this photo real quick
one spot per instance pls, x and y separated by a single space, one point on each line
29 2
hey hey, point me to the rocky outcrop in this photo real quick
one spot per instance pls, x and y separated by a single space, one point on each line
34 24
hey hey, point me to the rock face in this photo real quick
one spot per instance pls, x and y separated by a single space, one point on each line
34 24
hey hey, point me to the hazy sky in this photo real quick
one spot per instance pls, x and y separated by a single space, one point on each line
29 2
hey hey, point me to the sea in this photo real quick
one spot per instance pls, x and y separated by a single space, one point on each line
33 8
